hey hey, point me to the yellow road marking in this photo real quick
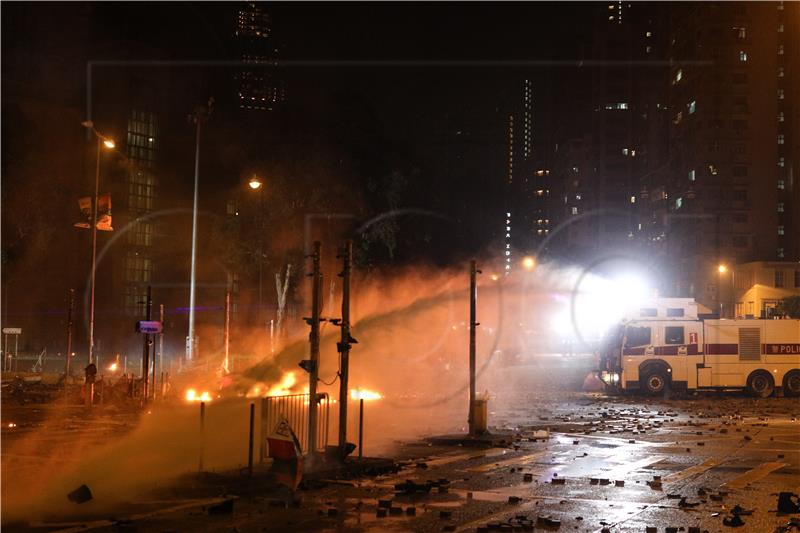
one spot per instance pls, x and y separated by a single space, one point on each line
708 464
520 460
754 474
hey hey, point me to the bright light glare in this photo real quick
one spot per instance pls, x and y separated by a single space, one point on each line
109 143
113 367
599 304
254 183
722 269
192 396
528 263
364 394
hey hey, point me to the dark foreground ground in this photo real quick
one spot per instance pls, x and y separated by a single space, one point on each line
594 472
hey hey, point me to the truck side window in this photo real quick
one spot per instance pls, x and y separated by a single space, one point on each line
637 336
673 335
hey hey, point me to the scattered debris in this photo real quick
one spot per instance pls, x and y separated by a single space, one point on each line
788 503
733 521
548 522
684 503
80 495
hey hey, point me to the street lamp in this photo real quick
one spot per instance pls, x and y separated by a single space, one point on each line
199 116
528 263
256 184
102 140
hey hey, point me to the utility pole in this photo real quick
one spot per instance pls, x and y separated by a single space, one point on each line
69 339
473 300
226 362
146 348
344 346
161 345
199 116
313 364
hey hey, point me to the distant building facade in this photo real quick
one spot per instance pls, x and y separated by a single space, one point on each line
259 88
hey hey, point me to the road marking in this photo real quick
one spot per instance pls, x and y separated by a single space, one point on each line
447 459
74 527
619 471
506 462
708 464
754 474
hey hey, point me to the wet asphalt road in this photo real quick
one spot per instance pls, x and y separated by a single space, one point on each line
596 470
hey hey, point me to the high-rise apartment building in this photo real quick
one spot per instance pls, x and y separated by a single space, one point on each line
604 163
733 133
258 86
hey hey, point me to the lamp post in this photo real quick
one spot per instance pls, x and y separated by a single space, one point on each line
102 141
200 115
256 184
721 269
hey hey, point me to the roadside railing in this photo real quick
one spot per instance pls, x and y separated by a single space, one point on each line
294 408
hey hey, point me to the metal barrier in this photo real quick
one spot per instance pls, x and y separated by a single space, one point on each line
295 408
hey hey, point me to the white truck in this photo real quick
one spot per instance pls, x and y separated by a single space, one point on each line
666 345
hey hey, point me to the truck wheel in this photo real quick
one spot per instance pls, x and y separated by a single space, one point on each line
760 384
654 382
791 383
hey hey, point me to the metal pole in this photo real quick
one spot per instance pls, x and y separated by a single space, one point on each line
361 428
69 339
161 345
250 441
192 281
6 356
16 353
227 330
344 347
316 290
202 434
146 350
473 297
260 253
94 250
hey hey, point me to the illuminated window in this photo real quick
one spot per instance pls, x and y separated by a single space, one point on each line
678 203
691 106
779 278
781 184
742 56
141 234
781 253
780 49
780 28
678 75
780 94
138 268
781 161
713 170
619 105
633 199
781 138
691 175
741 33
781 72
781 230
780 207
574 210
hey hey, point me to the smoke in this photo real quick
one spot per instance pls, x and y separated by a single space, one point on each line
412 329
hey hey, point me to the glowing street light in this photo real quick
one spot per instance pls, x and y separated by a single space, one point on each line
528 263
109 143
722 269
255 183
